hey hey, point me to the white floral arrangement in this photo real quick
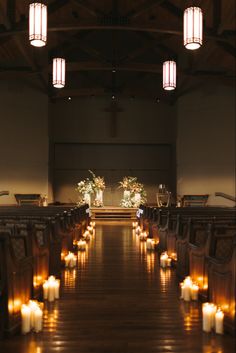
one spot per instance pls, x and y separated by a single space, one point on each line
85 187
98 182
134 189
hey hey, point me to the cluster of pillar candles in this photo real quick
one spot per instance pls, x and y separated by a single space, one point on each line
80 245
212 318
189 289
32 317
144 236
165 260
51 289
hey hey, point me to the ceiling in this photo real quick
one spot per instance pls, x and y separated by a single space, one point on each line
116 48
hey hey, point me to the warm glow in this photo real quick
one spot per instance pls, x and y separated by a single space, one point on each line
59 72
38 280
169 75
193 20
38 24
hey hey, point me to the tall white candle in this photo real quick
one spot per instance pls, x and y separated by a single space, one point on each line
219 322
51 291
208 312
38 320
33 306
187 289
57 289
25 319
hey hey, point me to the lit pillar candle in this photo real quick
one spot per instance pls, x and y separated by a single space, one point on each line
86 235
187 289
38 319
150 244
33 306
208 312
163 260
181 290
143 236
90 229
219 322
57 289
138 230
194 291
45 290
25 319
51 291
81 245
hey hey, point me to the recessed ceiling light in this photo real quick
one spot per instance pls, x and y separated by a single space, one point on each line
113 96
69 98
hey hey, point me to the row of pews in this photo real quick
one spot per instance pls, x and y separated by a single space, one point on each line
202 240
32 241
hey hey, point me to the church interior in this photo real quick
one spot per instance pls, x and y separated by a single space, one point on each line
118 176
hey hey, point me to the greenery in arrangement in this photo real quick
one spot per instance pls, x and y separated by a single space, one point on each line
134 193
88 186
98 182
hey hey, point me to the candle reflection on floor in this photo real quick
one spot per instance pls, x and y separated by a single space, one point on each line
82 258
191 315
70 278
51 317
165 278
150 262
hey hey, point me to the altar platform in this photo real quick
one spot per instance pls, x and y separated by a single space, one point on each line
113 213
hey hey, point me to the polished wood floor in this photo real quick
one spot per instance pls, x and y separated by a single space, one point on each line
118 300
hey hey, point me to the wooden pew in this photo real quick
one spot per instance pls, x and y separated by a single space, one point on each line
221 266
16 267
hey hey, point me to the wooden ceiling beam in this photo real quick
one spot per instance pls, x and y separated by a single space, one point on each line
133 28
139 10
11 12
85 5
216 15
21 47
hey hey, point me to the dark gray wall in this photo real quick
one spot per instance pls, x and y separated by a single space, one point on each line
143 146
24 139
206 142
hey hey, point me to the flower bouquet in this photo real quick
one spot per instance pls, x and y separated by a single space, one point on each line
85 188
134 193
98 186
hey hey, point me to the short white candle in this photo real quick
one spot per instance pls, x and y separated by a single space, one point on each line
45 290
168 262
219 322
25 319
143 236
163 260
150 244
194 291
81 245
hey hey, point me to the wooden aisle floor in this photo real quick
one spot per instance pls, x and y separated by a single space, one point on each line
119 300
